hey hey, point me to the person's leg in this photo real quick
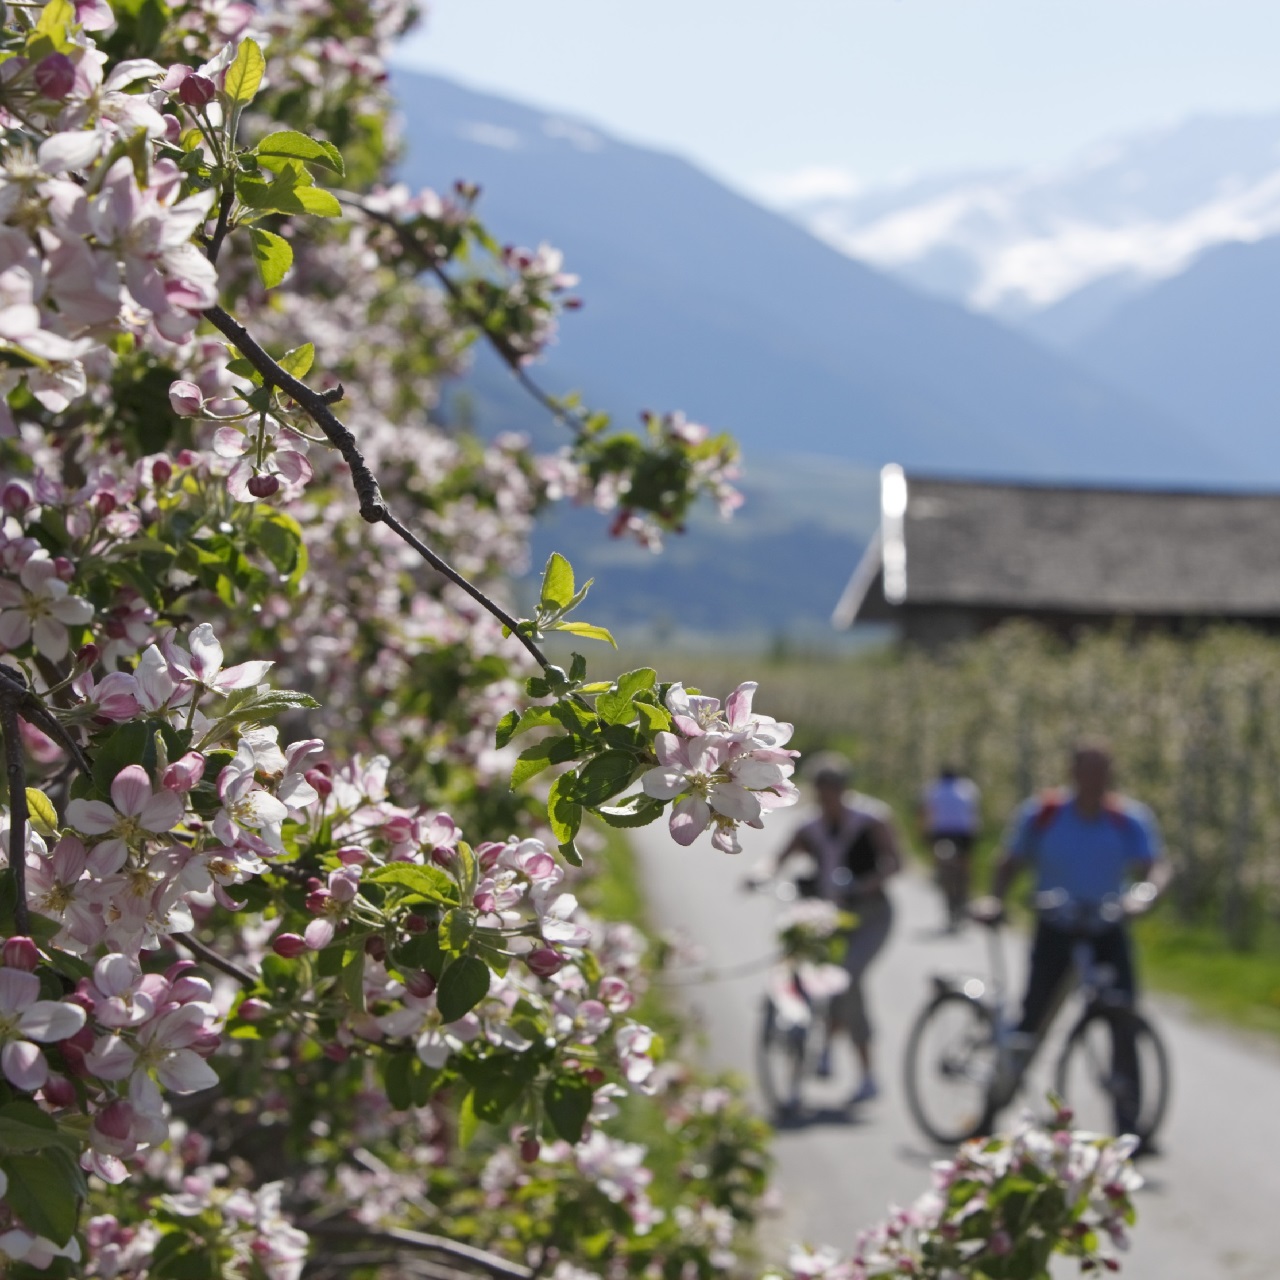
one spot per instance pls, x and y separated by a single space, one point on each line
865 943
1115 949
1050 965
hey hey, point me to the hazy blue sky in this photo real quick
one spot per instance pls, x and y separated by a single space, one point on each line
755 89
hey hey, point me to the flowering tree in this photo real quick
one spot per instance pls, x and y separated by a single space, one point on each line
293 964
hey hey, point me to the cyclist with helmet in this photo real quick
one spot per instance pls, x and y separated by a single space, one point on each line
1088 847
855 851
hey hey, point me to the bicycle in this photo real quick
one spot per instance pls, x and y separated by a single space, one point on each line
951 874
965 1061
797 998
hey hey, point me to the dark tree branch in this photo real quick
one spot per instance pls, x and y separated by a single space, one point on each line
16 772
373 507
491 1263
14 691
220 230
211 957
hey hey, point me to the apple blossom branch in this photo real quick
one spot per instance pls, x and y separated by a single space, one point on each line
373 507
503 349
491 1263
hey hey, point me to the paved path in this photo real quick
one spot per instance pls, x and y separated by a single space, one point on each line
1211 1210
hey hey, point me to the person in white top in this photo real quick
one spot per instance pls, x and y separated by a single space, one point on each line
855 848
950 820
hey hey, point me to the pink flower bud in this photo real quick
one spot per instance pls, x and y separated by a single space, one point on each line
336 1052
185 399
63 567
544 962
177 969
289 945
55 76
530 1150
182 775
263 486
593 1076
87 655
207 1043
161 472
420 983
197 91
323 785
115 1120
187 457
15 497
318 901
20 953
253 1009
376 949
59 1092
352 855
105 503
414 923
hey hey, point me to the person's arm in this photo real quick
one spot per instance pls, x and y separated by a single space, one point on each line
1018 850
1151 869
763 872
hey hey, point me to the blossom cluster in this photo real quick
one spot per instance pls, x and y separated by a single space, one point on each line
1001 1207
723 767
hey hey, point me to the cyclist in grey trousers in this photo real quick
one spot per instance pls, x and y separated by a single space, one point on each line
855 849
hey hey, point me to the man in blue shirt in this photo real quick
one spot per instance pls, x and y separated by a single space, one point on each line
1086 846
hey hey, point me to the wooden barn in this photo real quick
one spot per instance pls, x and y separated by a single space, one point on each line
953 558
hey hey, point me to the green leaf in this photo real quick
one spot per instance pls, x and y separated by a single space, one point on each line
244 75
568 1100
456 929
638 813
462 986
280 538
298 362
557 583
513 724
603 776
45 1190
532 760
24 1127
615 707
352 979
297 146
569 852
314 200
431 882
272 255
652 719
564 812
586 631
468 1122
44 817
397 1071
134 743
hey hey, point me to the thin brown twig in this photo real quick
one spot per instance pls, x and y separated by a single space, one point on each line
13 689
503 349
211 957
492 1263
373 507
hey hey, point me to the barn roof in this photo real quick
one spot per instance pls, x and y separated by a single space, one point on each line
1067 549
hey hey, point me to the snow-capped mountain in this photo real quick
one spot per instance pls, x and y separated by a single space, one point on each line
1059 248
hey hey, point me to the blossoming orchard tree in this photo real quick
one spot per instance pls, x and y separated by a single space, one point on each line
293 973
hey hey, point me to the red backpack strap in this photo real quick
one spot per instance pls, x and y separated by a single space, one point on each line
1051 804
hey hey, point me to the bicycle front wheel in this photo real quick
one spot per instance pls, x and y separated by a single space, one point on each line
1114 1073
780 1061
951 1062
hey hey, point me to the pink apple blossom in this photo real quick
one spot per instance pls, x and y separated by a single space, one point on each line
138 813
26 1022
39 607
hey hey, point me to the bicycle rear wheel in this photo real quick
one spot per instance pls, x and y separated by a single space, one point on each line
1114 1073
781 1051
951 1062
